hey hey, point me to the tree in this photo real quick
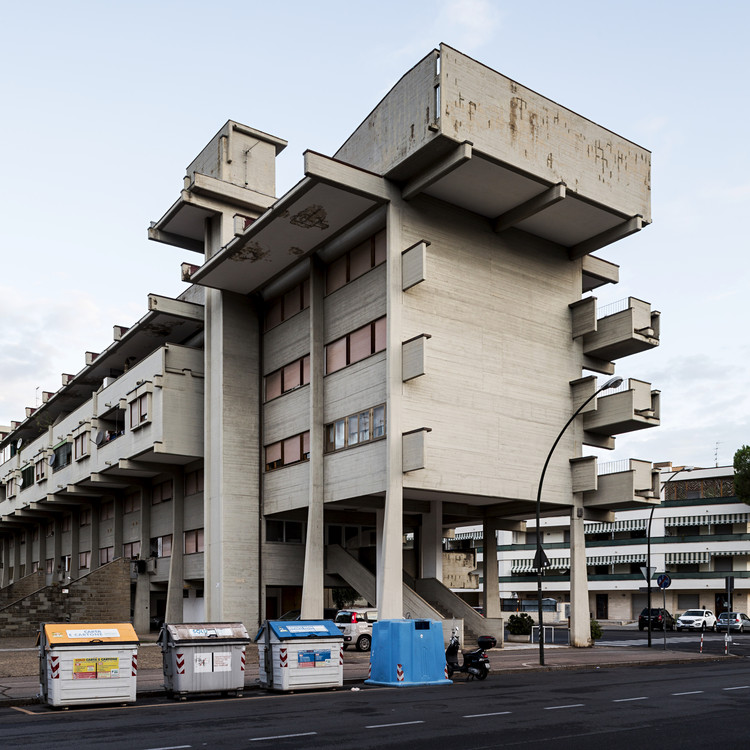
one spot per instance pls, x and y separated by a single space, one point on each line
742 474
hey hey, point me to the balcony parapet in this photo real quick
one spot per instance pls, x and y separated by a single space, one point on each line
629 483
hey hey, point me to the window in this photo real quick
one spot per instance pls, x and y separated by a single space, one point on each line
49 530
111 426
131 550
356 346
81 445
290 532
161 546
288 378
49 565
132 503
357 262
193 541
84 560
66 523
65 563
40 469
363 427
288 304
106 555
35 567
63 456
27 476
289 451
107 510
139 409
161 493
84 517
194 482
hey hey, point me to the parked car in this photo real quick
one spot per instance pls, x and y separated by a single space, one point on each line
356 626
660 619
738 621
696 619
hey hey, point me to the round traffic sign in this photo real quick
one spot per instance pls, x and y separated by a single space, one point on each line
663 581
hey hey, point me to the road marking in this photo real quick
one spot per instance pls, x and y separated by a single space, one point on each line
624 700
479 716
570 705
281 736
691 692
398 724
171 747
739 687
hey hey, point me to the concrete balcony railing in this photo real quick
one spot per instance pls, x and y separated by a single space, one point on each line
616 331
619 484
634 407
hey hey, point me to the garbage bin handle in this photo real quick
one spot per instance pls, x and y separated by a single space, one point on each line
96 640
213 635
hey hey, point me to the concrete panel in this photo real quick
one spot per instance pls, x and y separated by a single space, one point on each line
357 303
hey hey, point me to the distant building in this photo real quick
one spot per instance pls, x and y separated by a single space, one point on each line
390 348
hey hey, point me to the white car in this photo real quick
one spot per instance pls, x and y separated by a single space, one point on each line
356 627
697 619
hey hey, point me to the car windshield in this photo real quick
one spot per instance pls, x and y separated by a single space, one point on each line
344 617
693 613
723 615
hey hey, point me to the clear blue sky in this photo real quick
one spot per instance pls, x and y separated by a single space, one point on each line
105 104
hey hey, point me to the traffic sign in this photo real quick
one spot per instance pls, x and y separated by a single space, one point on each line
648 573
663 581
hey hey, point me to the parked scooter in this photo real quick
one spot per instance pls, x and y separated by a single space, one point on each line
476 663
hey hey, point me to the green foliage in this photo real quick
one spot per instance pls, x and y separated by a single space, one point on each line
520 624
742 474
596 630
344 596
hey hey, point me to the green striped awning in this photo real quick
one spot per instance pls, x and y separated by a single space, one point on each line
730 553
686 558
625 524
707 519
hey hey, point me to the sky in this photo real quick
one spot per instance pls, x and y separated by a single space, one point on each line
107 103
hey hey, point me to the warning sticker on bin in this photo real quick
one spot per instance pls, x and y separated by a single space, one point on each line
307 659
96 668
219 661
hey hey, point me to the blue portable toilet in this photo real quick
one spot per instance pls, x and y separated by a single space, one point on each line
406 653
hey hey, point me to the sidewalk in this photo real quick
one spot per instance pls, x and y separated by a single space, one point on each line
19 664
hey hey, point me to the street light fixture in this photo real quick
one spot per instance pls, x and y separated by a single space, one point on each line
648 548
540 559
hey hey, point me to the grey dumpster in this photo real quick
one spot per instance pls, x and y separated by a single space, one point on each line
300 655
203 657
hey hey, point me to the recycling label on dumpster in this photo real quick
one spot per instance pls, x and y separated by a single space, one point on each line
96 668
307 659
218 661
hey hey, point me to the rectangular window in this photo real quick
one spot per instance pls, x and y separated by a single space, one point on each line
356 262
106 555
84 560
84 518
356 346
63 456
49 565
132 503
49 530
193 541
131 550
107 510
290 303
363 427
27 476
40 469
161 493
287 378
161 546
287 452
194 482
139 410
35 567
290 532
81 445
66 523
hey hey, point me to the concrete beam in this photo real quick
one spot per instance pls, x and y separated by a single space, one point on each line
631 226
346 177
169 238
445 166
532 206
178 308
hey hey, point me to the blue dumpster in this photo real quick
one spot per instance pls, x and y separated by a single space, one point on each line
407 652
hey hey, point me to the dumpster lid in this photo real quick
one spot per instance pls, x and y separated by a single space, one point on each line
302 629
70 633
182 632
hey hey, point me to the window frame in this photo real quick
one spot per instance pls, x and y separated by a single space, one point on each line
364 417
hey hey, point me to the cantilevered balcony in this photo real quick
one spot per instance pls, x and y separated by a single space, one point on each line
617 330
633 407
618 484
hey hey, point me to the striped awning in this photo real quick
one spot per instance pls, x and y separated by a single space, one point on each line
707 519
527 566
563 563
730 553
625 524
686 558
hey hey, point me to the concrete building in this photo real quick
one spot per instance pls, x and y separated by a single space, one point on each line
699 536
389 348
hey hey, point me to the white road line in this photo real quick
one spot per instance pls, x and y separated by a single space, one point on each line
739 687
570 705
479 716
625 700
398 724
690 692
281 736
171 747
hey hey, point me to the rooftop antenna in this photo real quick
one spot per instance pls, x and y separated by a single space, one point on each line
36 397
716 453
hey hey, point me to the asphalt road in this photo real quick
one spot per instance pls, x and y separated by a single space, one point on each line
697 705
710 643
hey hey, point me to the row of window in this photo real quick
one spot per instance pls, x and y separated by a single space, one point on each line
690 489
292 450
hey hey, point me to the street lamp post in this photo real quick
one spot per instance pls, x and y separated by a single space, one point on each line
540 559
648 549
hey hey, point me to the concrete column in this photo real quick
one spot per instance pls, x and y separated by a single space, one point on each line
75 546
390 568
312 577
176 562
580 621
95 536
142 603
431 543
489 569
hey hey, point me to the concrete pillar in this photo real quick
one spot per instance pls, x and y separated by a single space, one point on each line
313 572
390 568
95 536
490 569
431 543
580 621
75 546
175 586
142 603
